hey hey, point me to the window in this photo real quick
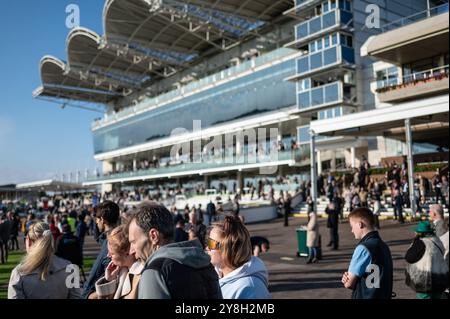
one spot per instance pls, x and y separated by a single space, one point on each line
303 134
315 25
381 78
332 93
330 114
312 47
330 56
326 7
304 100
334 39
333 4
327 42
317 97
316 61
338 112
319 44
346 40
387 77
322 115
303 65
304 85
302 30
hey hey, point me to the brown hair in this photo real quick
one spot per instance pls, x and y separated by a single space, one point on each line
109 211
365 214
118 239
236 248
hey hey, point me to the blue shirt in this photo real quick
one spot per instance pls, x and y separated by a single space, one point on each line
360 261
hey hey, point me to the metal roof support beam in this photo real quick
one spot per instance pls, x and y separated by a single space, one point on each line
220 25
86 74
126 51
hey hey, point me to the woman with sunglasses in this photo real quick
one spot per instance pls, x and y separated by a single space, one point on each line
242 276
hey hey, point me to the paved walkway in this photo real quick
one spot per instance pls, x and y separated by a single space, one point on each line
291 277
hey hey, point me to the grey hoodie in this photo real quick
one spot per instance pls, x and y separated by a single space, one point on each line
188 253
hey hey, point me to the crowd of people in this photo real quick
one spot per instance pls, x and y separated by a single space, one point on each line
140 259
149 251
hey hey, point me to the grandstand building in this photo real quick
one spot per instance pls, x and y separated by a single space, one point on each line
410 86
175 75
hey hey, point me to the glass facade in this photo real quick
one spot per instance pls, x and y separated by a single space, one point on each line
253 94
329 57
322 95
168 97
330 50
323 22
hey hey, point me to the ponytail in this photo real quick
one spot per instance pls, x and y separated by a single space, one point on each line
40 256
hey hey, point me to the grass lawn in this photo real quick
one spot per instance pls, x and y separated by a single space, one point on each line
14 259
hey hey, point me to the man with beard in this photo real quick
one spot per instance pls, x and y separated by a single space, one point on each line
172 270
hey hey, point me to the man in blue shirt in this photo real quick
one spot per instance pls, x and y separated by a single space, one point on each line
370 274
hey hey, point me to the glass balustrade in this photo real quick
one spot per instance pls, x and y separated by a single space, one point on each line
322 23
211 164
331 93
329 57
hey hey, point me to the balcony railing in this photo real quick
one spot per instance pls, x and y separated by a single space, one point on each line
423 76
320 60
316 26
415 18
222 163
332 93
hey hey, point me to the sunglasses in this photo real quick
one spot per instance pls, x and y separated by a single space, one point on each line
212 244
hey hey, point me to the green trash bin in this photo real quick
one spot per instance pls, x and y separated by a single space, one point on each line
302 249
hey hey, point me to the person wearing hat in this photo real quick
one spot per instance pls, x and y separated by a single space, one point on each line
426 270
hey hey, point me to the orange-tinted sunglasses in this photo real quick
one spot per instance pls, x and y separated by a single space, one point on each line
212 244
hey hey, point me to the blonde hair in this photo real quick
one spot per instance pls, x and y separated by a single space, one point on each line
41 252
235 244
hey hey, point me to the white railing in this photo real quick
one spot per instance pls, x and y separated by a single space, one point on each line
435 73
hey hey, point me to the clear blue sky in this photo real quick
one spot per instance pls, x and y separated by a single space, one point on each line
39 139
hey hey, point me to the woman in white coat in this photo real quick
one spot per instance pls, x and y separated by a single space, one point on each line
312 238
